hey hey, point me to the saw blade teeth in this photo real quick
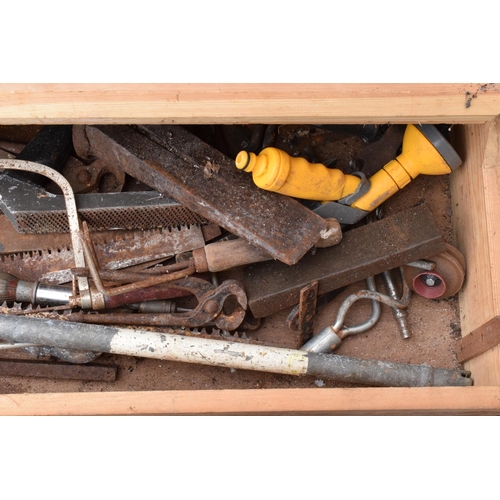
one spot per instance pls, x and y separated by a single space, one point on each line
56 250
12 256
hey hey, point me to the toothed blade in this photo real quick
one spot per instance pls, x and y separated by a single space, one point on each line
209 333
115 250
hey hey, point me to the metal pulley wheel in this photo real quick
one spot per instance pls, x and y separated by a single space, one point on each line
445 280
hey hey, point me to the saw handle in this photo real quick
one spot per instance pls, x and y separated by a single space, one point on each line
223 255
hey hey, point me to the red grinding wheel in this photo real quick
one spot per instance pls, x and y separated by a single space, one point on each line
445 280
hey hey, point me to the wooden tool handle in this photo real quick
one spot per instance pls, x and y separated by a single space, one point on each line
224 255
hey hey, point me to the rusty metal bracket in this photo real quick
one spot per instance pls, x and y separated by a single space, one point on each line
174 162
302 319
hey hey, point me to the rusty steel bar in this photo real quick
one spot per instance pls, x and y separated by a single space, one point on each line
131 276
175 162
55 370
363 252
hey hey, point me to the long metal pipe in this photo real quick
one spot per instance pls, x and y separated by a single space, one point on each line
214 352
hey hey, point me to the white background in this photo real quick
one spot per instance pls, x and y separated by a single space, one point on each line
240 457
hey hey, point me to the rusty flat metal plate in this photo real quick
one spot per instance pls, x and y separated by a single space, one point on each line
56 370
365 251
175 162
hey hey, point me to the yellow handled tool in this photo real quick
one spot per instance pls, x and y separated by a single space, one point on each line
425 151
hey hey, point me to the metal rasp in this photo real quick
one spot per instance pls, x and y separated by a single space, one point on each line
32 209
175 162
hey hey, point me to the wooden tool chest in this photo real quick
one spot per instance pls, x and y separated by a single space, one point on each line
471 110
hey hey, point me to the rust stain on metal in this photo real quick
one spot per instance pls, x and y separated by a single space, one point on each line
170 160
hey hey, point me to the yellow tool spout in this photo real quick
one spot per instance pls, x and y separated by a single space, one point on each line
422 153
275 170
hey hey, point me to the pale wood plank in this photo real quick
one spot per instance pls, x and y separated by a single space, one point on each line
486 368
476 210
358 401
247 103
470 223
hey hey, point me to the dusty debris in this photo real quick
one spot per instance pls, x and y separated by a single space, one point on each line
209 169
473 95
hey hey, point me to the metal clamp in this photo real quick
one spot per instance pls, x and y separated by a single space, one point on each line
362 189
329 338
